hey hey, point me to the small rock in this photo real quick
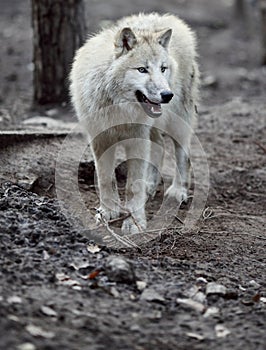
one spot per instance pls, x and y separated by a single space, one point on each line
211 311
263 300
192 304
191 292
215 288
118 269
199 297
114 292
141 285
247 301
150 294
14 300
201 281
204 274
155 315
39 332
231 295
132 297
242 288
254 284
221 331
135 328
26 346
13 318
46 310
93 248
45 255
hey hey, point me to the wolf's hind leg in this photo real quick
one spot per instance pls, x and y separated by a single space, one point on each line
156 162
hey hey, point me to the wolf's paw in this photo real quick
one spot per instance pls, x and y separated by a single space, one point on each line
106 214
178 193
131 226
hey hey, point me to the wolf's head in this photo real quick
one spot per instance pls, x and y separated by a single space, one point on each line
144 66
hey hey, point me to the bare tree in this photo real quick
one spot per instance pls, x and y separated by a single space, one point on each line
58 30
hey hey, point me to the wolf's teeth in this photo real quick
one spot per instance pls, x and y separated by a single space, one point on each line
155 110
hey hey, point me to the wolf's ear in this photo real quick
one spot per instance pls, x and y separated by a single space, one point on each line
164 38
124 41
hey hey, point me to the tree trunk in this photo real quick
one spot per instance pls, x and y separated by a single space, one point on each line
263 29
240 9
58 30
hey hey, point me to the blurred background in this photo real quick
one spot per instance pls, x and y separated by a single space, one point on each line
229 43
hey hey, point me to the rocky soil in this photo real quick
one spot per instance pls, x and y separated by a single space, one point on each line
197 288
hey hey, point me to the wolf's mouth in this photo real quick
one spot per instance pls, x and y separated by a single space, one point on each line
153 109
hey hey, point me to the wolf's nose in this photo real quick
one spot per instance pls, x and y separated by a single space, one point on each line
166 96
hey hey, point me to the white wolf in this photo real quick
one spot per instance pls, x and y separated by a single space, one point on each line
145 68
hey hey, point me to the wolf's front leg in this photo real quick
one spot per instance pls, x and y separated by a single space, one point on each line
156 162
181 181
109 197
136 187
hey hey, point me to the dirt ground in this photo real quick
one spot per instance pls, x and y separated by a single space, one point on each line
202 288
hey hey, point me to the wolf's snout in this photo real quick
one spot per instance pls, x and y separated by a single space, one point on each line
166 96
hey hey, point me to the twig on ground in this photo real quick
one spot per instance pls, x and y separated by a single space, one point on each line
124 240
207 214
121 218
178 219
261 146
128 212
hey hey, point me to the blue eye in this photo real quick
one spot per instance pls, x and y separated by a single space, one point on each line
142 70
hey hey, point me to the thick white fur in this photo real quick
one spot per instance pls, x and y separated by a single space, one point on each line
105 74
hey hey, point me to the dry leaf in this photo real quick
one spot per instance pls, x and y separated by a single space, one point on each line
67 281
94 274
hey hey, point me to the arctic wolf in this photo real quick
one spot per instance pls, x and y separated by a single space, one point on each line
128 82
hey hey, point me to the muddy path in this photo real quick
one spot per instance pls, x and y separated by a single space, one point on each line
197 288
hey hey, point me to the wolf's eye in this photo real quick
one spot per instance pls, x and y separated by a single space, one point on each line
142 70
163 69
